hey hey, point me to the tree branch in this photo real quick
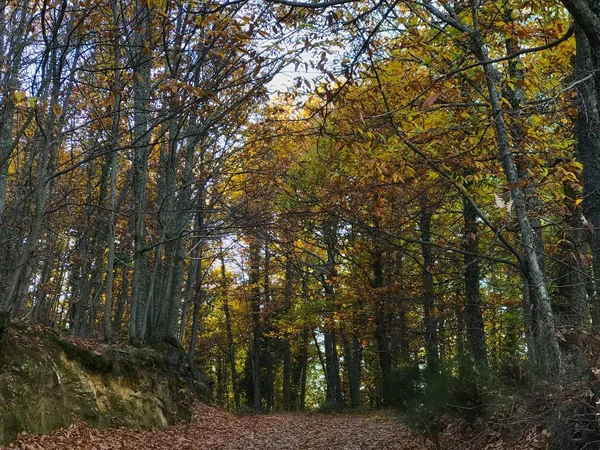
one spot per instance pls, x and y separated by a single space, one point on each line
585 18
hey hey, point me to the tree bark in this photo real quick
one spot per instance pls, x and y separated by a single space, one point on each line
328 281
115 128
473 313
549 351
61 56
573 273
304 370
429 320
382 328
198 298
141 144
287 354
255 305
353 360
587 147
229 330
332 368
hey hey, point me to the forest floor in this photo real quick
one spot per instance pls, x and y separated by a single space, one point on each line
216 429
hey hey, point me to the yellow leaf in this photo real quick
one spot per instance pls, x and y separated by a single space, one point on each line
577 165
241 36
396 177
56 109
19 96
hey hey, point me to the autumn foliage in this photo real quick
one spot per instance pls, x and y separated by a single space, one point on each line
326 204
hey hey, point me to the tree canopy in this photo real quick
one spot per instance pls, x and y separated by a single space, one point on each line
339 202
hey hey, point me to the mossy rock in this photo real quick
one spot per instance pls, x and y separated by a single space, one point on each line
46 381
87 359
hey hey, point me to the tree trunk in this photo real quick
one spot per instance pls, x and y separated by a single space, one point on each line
304 370
115 128
53 315
141 144
198 297
430 321
287 377
230 342
49 138
353 360
12 46
574 273
328 281
287 354
550 357
382 331
587 147
267 355
122 298
269 389
332 367
255 304
549 351
473 315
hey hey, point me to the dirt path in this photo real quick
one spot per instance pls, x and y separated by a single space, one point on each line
217 430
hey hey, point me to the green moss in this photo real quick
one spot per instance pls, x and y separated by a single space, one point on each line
146 357
89 360
45 381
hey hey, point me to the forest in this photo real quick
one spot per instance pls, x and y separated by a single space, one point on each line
329 204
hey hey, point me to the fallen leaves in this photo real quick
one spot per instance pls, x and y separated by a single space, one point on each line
212 428
215 429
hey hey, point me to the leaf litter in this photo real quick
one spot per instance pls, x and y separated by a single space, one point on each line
215 429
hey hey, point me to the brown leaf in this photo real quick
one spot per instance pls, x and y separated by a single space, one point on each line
430 101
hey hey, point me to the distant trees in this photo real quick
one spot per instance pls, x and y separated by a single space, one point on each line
118 120
436 133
